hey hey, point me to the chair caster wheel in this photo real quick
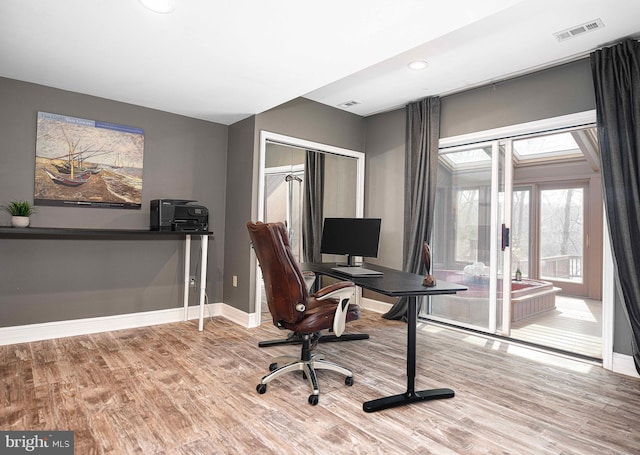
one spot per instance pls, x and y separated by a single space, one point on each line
313 400
273 367
261 388
348 380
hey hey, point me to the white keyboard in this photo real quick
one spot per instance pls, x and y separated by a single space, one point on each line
357 271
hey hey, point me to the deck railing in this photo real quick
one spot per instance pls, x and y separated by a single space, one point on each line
567 267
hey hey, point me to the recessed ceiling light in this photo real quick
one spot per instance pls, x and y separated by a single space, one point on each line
158 6
418 65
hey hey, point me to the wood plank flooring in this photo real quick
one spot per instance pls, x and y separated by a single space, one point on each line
170 389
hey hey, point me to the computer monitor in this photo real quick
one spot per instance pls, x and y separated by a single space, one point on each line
351 236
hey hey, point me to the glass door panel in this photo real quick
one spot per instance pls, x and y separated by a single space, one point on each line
465 238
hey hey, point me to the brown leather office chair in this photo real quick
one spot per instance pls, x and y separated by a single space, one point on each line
293 308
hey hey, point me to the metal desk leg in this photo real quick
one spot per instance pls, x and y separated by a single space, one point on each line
411 395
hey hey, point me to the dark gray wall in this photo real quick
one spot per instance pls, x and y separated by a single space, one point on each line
565 89
384 184
300 118
240 187
50 280
384 187
306 119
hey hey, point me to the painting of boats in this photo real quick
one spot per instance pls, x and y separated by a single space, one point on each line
65 168
87 163
66 179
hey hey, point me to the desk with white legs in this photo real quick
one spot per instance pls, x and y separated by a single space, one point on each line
396 283
44 232
204 242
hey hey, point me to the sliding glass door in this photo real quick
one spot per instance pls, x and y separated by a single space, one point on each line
468 235
513 222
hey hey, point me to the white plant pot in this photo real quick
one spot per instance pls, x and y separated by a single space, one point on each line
20 221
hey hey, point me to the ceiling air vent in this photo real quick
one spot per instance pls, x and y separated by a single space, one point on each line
579 30
348 104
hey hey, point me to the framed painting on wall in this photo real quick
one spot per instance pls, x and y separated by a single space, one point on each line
87 163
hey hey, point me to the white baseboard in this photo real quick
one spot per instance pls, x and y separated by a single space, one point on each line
375 305
624 364
60 329
74 327
247 320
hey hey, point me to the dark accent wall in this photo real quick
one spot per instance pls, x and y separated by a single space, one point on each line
384 183
306 119
52 279
300 118
384 187
562 90
241 173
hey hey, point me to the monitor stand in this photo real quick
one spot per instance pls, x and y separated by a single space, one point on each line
351 262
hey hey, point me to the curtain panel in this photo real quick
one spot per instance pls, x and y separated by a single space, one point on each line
616 77
421 165
312 206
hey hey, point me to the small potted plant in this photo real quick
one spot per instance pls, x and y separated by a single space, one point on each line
20 212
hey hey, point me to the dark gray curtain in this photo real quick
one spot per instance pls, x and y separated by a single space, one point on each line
312 206
616 77
421 164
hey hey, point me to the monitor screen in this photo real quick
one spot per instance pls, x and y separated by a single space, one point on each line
351 236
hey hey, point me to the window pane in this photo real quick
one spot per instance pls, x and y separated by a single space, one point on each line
556 145
520 234
561 234
467 225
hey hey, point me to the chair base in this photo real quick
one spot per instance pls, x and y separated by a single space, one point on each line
296 338
307 363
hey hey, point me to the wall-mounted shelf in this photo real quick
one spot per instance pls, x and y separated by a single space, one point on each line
7 231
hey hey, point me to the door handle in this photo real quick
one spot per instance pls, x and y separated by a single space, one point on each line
505 236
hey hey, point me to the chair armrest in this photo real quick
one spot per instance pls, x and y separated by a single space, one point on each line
343 291
325 292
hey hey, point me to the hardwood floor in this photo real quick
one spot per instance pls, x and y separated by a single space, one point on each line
170 389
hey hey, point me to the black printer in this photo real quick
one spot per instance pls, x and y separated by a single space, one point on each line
179 215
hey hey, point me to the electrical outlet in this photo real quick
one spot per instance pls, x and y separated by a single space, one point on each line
192 281
235 281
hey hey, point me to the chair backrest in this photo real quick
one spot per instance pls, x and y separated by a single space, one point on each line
284 283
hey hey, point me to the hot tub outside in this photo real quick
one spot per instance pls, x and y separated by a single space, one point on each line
528 297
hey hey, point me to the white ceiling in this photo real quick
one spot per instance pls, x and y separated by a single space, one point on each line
223 61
